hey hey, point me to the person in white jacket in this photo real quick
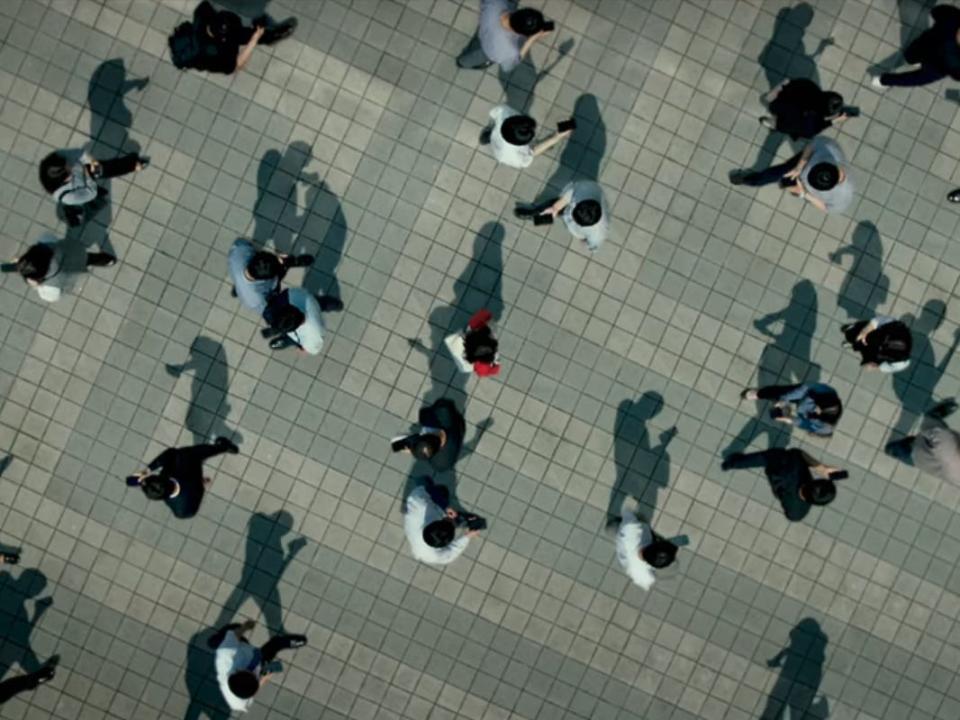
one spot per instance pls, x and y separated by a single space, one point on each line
640 550
431 526
512 134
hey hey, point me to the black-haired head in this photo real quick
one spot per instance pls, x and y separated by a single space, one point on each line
818 492
519 129
526 21
659 554
34 264
54 171
156 487
243 684
832 104
587 213
264 266
439 533
425 446
283 318
823 176
224 25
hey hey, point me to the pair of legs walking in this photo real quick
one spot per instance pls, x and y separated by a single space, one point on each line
916 53
772 174
473 57
22 683
268 651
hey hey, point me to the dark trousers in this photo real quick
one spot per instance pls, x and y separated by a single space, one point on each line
747 460
775 392
917 52
473 57
19 684
772 174
115 167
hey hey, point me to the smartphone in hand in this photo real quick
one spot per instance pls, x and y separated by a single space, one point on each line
544 219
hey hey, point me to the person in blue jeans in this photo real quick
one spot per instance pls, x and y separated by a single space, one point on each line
815 407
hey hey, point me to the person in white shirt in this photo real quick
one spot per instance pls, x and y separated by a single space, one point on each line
431 525
42 266
640 550
584 211
512 134
294 318
243 669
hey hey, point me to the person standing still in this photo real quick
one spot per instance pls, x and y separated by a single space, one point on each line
504 37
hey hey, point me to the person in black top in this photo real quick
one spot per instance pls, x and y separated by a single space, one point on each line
883 343
936 51
440 438
800 109
180 482
796 479
225 45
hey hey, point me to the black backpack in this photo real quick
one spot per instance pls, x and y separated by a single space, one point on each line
184 47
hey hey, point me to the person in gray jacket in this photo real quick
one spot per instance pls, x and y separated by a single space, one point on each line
935 449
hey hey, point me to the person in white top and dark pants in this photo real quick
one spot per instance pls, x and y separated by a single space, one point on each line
431 525
640 551
512 134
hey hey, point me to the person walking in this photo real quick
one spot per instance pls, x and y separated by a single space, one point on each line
70 176
475 349
936 51
818 174
431 525
256 274
440 438
28 681
512 134
815 407
800 109
294 318
42 266
798 481
176 476
584 211
640 550
505 36
935 449
217 41
243 669
884 343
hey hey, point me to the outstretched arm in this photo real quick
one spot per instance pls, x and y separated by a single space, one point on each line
763 324
838 255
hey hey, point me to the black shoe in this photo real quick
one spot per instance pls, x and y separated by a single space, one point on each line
293 261
280 31
10 558
485 136
738 176
100 259
144 161
954 196
330 304
280 343
295 641
233 292
227 444
729 460
46 674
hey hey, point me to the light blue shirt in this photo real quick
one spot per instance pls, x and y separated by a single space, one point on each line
252 294
807 409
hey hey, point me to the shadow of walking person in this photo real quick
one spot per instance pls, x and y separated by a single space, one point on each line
209 407
642 469
865 286
17 624
785 361
263 566
583 152
801 663
110 122
520 84
913 21
914 387
784 57
478 286
201 679
275 214
323 234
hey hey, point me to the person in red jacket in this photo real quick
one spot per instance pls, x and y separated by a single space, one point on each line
480 346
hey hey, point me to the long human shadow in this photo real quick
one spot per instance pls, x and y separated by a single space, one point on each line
211 379
785 57
915 386
5 463
477 287
913 21
784 361
201 679
583 153
801 673
642 468
520 84
17 623
324 235
865 286
110 123
263 566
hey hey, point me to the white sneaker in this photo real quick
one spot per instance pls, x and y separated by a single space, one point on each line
875 83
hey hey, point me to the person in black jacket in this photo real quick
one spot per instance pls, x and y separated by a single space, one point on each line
439 440
883 343
936 50
800 109
180 482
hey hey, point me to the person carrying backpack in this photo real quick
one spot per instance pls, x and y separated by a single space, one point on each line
884 344
217 42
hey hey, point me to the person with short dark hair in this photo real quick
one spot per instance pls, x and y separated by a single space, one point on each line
294 318
480 346
257 274
176 476
505 35
936 50
797 479
512 134
884 343
640 550
431 525
935 449
217 41
70 176
584 211
243 669
800 109
818 174
440 438
41 266
814 407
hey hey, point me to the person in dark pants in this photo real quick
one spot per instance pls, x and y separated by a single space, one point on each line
796 479
176 476
884 344
256 274
22 683
505 36
936 51
222 44
70 176
41 266
817 407
800 109
439 440
243 669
